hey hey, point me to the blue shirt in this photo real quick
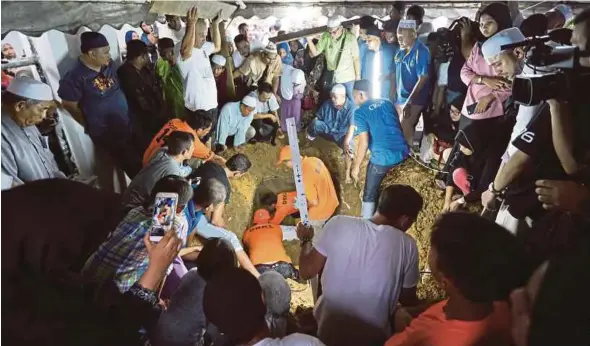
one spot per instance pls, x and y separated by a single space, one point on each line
100 99
232 123
408 68
386 139
337 120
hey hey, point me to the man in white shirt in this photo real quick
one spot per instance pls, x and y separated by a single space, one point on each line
233 302
200 90
234 121
367 267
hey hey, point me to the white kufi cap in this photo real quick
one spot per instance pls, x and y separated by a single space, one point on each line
407 24
333 23
493 46
338 89
250 101
30 88
218 60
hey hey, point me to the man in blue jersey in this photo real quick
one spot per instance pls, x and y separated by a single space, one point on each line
378 128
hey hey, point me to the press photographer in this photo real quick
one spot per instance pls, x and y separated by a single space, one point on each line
554 144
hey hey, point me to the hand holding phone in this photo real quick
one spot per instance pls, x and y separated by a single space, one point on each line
163 215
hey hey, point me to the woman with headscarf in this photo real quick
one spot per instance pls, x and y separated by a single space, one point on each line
150 39
486 92
131 35
284 51
292 90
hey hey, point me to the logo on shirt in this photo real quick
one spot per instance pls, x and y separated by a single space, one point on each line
103 83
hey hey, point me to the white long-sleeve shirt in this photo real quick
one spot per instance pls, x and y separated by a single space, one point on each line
232 123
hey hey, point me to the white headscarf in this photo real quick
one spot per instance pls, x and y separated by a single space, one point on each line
291 77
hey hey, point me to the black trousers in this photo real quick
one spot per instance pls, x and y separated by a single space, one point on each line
266 130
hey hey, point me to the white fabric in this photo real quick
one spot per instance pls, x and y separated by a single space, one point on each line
200 90
250 101
237 58
425 28
218 60
407 24
272 105
443 74
292 82
493 46
258 45
163 30
6 181
333 23
30 88
291 340
366 267
338 89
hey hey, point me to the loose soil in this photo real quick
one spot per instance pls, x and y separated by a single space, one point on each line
264 157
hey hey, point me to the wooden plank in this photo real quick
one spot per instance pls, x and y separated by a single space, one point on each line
307 32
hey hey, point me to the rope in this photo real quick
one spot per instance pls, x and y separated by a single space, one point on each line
427 167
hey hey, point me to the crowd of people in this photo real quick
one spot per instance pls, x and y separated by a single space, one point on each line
517 275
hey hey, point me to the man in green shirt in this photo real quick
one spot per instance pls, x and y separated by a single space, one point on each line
345 66
171 78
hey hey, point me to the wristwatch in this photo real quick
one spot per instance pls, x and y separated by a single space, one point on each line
493 190
304 241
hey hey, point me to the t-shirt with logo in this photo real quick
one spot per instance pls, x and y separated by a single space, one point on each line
265 244
99 97
285 206
319 186
386 139
201 150
409 67
200 90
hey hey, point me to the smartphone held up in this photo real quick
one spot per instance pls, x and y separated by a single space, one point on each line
163 215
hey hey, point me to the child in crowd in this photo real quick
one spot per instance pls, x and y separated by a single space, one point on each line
292 89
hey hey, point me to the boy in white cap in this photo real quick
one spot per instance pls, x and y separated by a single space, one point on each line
218 65
558 16
264 66
234 120
334 121
341 50
25 153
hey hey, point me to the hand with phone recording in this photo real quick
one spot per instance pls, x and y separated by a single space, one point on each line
161 255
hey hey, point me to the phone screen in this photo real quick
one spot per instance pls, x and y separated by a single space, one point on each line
163 215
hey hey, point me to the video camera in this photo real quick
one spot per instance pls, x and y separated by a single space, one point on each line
562 76
449 39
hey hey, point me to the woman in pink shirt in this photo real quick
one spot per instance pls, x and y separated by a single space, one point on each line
484 87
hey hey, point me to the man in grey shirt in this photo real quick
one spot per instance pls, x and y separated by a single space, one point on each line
169 160
25 152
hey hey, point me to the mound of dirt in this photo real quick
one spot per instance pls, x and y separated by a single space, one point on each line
264 156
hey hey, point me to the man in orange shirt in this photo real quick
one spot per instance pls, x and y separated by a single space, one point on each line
319 188
283 205
198 124
264 242
478 263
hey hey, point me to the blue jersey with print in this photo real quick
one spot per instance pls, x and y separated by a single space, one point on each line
409 66
99 97
386 139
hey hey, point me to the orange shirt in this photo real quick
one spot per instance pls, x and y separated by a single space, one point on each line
265 244
319 186
201 150
432 328
285 206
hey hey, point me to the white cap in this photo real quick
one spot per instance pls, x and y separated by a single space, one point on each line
333 23
565 10
270 48
218 60
407 24
250 101
493 46
30 88
338 89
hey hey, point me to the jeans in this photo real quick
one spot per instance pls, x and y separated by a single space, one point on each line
287 270
375 175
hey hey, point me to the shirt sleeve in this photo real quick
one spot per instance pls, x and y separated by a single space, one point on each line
354 47
245 68
8 163
322 43
222 125
208 48
411 271
70 89
240 137
360 122
535 140
423 62
322 245
277 68
467 72
273 105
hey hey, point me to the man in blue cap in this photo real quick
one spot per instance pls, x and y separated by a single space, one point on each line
91 93
378 129
25 153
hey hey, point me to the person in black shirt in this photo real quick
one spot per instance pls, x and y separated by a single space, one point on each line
236 166
143 90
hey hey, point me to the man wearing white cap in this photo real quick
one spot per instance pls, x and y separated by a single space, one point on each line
234 120
341 50
25 153
334 121
410 76
558 16
200 90
264 66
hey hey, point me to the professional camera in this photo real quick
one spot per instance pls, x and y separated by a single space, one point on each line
562 77
449 39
